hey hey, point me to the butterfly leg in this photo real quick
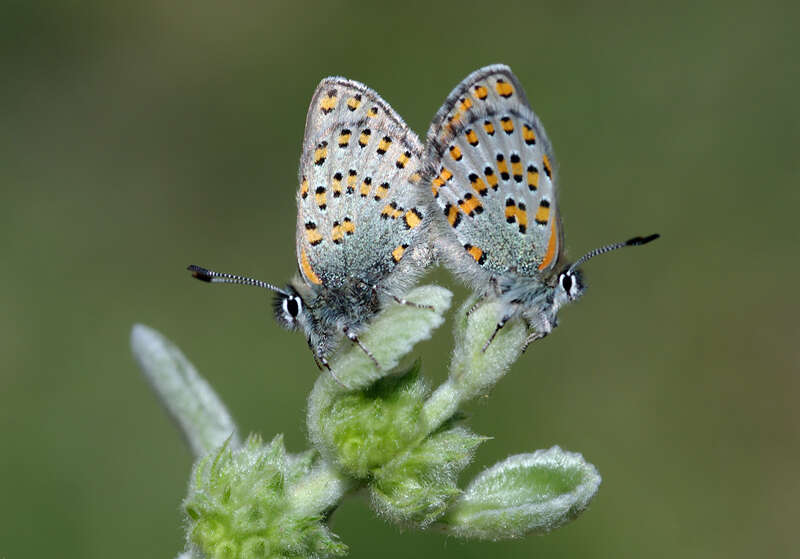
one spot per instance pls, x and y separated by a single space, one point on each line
333 375
476 304
401 301
483 296
353 338
496 330
532 338
320 361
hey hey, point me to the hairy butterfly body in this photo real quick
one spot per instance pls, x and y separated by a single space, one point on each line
493 179
362 238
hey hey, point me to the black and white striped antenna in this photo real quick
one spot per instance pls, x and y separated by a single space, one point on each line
210 276
636 241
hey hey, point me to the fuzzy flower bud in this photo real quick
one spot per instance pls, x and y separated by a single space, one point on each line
524 493
240 505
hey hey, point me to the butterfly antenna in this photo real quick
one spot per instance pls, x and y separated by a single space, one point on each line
636 241
210 276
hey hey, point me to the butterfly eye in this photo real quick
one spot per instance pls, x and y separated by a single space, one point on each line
288 308
291 305
566 282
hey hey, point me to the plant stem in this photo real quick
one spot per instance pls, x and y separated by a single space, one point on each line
320 490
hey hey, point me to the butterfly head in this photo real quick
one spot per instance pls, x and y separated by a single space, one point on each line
570 284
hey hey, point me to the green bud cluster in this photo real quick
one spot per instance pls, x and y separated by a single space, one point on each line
239 505
370 428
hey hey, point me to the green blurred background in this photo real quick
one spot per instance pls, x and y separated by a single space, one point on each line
136 138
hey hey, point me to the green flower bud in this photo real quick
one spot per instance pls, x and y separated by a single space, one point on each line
362 431
524 493
416 486
361 427
240 505
473 369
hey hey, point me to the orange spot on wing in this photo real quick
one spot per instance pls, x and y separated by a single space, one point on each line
542 214
337 233
384 144
478 184
321 153
440 180
502 166
453 217
381 191
365 186
402 160
313 237
522 218
491 178
336 185
398 252
342 229
547 168
304 188
528 134
470 205
504 89
321 197
328 103
516 168
391 210
533 178
516 213
476 253
354 102
551 247
308 271
413 218
352 181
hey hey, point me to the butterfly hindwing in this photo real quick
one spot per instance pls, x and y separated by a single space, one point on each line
357 210
492 172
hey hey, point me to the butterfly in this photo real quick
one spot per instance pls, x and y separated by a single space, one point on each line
493 179
362 237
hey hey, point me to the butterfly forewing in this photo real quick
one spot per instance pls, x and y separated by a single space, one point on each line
357 215
493 88
492 172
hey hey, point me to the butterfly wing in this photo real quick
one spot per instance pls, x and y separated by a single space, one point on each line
357 211
493 176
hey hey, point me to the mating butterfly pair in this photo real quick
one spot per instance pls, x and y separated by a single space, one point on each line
376 208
